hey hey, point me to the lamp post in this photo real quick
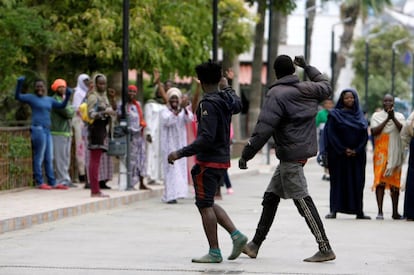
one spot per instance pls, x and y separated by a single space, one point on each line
333 54
394 49
215 40
125 67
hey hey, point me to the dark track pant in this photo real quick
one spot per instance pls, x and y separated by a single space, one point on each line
306 208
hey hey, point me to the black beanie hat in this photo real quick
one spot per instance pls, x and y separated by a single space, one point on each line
283 66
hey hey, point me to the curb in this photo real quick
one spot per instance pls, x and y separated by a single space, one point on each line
24 222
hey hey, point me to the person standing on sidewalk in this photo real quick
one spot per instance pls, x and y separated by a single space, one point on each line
101 111
78 125
386 125
42 144
212 150
346 137
61 131
288 114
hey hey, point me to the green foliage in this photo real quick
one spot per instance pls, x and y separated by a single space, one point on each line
380 60
67 37
235 24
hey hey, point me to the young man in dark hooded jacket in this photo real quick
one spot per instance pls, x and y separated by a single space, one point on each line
212 150
288 114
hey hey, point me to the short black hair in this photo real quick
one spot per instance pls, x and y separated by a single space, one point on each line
283 66
209 72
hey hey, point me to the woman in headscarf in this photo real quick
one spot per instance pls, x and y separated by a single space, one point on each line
137 125
346 136
407 136
79 95
386 125
173 137
102 112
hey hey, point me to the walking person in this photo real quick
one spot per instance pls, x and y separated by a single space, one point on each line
386 125
42 143
346 137
212 150
102 112
407 134
173 137
61 130
288 114
80 92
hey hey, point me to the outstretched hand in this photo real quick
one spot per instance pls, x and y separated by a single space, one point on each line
21 78
300 61
172 157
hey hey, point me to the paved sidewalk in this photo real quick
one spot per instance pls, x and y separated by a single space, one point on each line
23 208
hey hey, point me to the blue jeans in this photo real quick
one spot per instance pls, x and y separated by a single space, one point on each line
42 154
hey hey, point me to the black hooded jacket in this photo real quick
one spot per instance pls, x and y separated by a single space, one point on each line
212 144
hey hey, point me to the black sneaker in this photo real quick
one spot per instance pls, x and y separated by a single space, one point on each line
251 249
321 257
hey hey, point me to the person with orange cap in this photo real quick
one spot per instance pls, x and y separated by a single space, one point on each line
61 131
42 144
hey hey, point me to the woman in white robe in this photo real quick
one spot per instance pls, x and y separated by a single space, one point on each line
173 137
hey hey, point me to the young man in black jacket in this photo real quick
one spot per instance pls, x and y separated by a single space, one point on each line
212 150
288 114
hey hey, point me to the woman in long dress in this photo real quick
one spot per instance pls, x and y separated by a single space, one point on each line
173 137
386 125
407 136
346 136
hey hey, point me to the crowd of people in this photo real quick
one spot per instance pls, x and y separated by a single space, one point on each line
88 114
174 132
343 146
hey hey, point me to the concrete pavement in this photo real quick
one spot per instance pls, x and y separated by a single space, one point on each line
149 237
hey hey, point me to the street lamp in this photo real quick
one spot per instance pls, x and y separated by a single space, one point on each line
394 49
215 40
333 54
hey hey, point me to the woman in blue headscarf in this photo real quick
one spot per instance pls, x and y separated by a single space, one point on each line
346 135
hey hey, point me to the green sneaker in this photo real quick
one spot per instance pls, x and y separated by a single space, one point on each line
239 241
208 259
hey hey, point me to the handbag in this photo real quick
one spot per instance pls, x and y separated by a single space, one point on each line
117 142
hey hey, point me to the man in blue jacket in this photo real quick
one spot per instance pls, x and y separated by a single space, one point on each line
212 150
288 114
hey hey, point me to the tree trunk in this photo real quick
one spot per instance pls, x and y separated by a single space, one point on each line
346 38
283 28
140 85
273 45
311 11
256 89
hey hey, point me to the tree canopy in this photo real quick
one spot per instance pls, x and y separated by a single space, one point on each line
62 38
380 65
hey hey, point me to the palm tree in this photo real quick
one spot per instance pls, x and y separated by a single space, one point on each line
353 9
